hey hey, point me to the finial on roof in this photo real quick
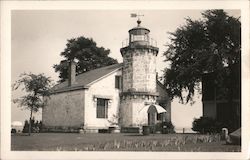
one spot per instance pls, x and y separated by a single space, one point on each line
133 15
138 22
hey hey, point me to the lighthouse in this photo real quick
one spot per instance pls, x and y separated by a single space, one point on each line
139 91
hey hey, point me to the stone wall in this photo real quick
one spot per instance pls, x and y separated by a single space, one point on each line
139 74
133 112
64 110
126 113
139 70
132 107
127 72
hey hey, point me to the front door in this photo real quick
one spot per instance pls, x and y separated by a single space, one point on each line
152 118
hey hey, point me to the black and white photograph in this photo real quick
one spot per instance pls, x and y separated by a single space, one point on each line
127 80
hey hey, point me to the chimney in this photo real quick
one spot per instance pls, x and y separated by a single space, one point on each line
72 73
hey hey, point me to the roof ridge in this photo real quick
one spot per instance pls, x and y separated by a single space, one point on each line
99 68
86 78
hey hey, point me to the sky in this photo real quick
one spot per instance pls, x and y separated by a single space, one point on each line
39 36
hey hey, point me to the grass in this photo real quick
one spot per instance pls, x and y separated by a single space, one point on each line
120 142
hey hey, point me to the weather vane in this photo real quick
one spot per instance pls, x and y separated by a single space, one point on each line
134 15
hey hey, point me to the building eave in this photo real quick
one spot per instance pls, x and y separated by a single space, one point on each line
68 89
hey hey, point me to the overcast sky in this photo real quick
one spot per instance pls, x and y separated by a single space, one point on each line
38 38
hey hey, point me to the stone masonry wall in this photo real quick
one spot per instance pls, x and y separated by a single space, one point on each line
64 110
133 112
139 70
139 73
127 72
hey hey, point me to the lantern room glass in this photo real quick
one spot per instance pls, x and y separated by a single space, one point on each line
135 38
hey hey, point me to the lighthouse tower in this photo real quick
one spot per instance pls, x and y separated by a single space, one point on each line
139 77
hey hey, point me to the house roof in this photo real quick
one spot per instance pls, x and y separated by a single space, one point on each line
85 79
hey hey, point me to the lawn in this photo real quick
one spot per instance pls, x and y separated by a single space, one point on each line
120 142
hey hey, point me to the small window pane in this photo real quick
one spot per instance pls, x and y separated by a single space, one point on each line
102 108
118 82
138 38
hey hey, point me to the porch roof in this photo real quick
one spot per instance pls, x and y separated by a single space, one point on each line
158 108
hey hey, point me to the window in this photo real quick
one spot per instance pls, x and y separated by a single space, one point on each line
159 117
139 38
102 108
118 82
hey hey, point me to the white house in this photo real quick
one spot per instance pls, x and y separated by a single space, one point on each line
130 91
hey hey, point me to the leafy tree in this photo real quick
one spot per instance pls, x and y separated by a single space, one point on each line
36 88
88 55
211 44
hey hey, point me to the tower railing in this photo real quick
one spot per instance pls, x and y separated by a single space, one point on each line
151 42
125 43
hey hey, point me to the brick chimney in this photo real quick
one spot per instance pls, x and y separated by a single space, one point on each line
72 73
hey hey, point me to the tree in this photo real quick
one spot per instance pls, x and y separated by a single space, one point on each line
211 44
40 126
26 127
36 126
206 125
37 88
88 55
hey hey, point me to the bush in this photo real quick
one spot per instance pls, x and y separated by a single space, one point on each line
163 127
157 127
129 129
167 127
13 130
206 125
36 126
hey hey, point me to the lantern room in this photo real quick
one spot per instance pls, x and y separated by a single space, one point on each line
139 35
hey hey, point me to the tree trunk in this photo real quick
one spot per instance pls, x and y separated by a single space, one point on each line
31 110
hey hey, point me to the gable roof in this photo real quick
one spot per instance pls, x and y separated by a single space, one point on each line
85 79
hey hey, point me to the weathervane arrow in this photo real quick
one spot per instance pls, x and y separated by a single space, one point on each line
133 15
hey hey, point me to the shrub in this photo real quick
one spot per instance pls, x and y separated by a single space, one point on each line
167 127
13 130
36 126
130 130
163 127
158 127
26 127
206 125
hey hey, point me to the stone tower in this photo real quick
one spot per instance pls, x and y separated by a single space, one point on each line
139 76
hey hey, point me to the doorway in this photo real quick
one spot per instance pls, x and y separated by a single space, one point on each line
152 118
